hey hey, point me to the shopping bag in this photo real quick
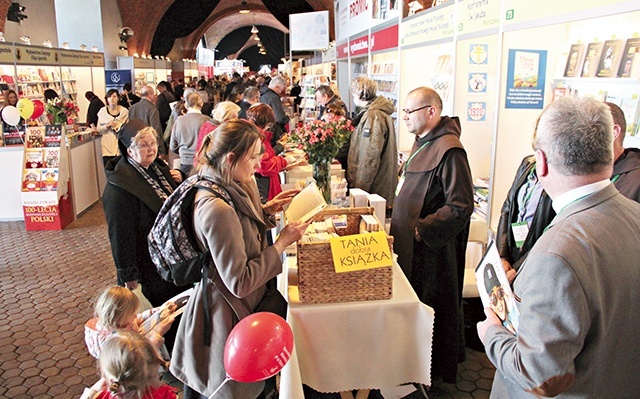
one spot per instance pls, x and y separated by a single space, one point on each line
143 302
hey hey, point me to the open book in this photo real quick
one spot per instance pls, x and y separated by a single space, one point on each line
495 290
306 204
167 309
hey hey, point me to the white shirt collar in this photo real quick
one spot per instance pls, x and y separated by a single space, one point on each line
564 199
193 111
422 135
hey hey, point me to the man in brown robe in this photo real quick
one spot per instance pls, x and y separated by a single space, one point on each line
430 222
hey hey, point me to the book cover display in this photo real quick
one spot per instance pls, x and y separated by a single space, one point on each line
575 60
591 59
610 59
630 60
45 179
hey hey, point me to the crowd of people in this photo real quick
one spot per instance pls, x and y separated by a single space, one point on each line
573 287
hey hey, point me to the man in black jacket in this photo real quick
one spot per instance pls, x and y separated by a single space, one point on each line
95 104
526 212
164 99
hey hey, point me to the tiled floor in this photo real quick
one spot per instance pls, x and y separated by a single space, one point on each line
48 281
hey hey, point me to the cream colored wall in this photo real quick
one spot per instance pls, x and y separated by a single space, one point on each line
39 26
515 126
417 69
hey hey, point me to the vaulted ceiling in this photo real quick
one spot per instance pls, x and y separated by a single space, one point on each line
174 27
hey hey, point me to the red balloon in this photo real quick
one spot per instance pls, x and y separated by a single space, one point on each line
38 109
258 347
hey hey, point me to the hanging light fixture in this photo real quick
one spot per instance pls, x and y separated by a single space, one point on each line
245 8
254 29
256 38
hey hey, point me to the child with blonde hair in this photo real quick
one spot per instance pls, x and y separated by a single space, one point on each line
129 369
115 311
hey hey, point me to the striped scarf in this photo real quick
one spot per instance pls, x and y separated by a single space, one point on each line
162 191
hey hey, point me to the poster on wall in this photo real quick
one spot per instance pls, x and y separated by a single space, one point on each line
526 79
309 31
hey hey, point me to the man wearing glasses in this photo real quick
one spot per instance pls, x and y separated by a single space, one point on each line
430 222
578 287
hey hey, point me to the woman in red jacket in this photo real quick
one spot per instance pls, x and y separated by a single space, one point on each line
268 174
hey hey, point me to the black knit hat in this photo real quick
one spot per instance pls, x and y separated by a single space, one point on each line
127 133
490 278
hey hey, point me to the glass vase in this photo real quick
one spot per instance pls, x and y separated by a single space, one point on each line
322 176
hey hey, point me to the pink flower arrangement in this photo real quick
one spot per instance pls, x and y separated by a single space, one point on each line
322 140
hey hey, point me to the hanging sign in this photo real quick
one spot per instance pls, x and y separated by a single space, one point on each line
477 15
75 58
309 31
6 53
97 59
359 46
431 25
384 39
517 11
342 51
360 252
30 55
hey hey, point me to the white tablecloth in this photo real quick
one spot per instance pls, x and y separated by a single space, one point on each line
358 345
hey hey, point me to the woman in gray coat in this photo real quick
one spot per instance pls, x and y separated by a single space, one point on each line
233 226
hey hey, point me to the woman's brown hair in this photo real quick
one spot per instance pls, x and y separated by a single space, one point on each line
262 115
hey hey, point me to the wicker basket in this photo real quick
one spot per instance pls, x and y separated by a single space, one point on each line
319 283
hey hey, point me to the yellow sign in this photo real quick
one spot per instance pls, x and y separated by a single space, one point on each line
6 53
360 252
31 55
75 58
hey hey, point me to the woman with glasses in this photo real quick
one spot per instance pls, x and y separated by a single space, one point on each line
138 183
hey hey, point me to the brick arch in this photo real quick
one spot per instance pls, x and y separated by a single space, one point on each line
189 43
4 8
143 16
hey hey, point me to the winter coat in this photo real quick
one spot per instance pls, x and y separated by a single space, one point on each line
243 265
131 206
373 153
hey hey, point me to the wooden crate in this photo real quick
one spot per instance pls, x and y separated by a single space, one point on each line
319 283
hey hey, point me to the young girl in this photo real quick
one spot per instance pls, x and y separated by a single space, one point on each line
129 370
115 312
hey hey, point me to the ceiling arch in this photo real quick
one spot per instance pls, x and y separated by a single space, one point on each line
174 27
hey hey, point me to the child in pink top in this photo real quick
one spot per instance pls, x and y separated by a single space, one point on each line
129 369
115 312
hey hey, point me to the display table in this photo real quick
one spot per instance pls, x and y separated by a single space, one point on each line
357 345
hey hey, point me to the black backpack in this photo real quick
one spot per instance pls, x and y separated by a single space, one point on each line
173 244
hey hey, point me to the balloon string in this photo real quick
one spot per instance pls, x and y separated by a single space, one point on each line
220 387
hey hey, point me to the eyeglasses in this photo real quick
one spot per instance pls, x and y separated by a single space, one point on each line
147 146
496 294
411 111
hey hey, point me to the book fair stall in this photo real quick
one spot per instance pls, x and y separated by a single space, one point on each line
51 171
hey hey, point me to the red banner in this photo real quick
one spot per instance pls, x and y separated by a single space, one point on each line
359 46
384 39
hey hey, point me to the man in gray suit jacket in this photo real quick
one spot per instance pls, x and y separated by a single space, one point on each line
146 111
578 289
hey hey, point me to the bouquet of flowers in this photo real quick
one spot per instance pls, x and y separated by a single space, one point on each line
62 111
322 140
